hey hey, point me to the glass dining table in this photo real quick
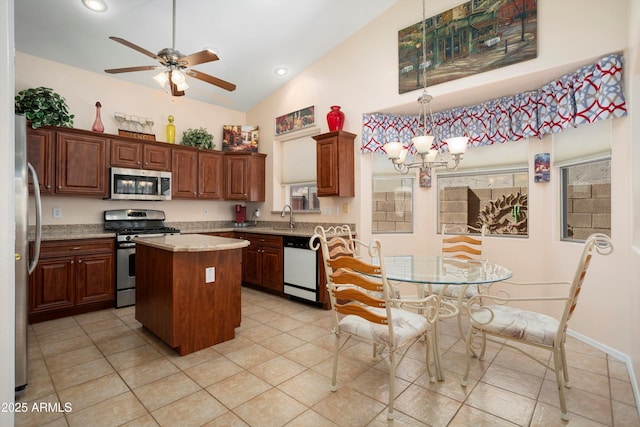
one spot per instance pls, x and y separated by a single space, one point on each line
433 275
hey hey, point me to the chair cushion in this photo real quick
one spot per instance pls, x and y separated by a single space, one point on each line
406 326
453 291
518 324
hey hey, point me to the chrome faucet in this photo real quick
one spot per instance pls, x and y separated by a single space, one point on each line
292 224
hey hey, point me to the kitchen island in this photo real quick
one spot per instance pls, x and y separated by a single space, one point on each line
188 289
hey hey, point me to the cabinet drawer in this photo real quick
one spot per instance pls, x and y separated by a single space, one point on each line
263 239
76 247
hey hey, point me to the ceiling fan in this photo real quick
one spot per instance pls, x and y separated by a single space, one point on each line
174 65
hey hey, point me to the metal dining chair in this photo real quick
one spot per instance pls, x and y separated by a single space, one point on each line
491 316
357 312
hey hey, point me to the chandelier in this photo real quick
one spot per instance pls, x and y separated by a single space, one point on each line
428 157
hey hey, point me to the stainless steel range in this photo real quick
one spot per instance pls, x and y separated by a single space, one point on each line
127 224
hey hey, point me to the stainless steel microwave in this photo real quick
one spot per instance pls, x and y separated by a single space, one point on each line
140 184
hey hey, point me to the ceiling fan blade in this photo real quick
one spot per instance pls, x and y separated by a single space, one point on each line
135 47
130 69
212 80
175 91
198 58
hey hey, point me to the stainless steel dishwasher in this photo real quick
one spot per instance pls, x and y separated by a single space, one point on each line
300 269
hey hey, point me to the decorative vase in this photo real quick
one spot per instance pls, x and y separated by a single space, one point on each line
171 131
97 124
335 118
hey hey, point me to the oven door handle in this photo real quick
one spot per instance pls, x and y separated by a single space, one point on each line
124 245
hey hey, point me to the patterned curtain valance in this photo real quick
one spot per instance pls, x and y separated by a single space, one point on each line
593 92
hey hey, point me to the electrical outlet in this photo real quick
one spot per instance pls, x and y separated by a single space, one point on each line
345 208
57 212
326 212
205 212
210 274
336 211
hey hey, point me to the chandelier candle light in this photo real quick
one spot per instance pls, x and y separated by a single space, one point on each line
396 151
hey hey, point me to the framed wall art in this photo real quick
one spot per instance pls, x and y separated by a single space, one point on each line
240 138
295 121
471 38
541 167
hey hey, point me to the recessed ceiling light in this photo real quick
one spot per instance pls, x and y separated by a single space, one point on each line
280 71
95 5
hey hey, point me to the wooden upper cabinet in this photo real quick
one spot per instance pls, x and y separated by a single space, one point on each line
40 154
210 176
244 176
81 164
137 155
184 173
334 164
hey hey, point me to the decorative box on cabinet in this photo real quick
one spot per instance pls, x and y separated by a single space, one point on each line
244 176
72 277
137 155
263 262
334 164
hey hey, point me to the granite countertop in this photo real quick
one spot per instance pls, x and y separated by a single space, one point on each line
192 243
96 231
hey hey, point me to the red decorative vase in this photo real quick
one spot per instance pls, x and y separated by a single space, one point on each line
97 125
335 118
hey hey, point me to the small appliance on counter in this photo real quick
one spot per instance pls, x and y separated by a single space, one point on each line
241 216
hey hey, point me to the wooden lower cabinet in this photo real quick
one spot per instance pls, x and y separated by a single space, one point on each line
263 262
72 277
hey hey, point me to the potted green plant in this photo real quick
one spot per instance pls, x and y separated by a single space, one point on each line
198 138
43 107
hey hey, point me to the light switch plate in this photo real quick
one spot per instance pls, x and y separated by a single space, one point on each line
210 274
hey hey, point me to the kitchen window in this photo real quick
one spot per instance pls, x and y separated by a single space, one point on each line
392 205
304 197
498 199
586 199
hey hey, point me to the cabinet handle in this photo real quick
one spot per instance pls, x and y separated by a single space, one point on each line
75 248
71 262
59 187
146 163
79 261
48 186
137 163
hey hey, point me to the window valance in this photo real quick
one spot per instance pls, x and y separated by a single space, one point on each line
593 92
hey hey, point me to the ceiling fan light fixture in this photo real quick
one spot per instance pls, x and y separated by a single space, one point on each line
161 78
177 77
95 5
182 86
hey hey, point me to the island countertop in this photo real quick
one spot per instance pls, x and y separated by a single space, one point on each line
192 243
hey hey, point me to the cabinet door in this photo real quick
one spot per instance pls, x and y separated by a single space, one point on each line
81 164
184 173
327 164
157 157
210 170
40 155
272 268
252 265
235 177
94 278
126 154
52 285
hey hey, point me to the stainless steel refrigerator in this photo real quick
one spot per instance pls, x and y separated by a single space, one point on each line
24 266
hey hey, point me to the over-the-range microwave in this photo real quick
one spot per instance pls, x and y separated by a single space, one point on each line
140 184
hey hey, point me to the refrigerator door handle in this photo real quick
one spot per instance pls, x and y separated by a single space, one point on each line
36 194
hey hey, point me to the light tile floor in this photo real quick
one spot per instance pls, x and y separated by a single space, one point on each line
276 372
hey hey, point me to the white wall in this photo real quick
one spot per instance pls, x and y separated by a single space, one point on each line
361 76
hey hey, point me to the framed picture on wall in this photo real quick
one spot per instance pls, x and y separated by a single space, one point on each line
295 121
541 167
240 138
